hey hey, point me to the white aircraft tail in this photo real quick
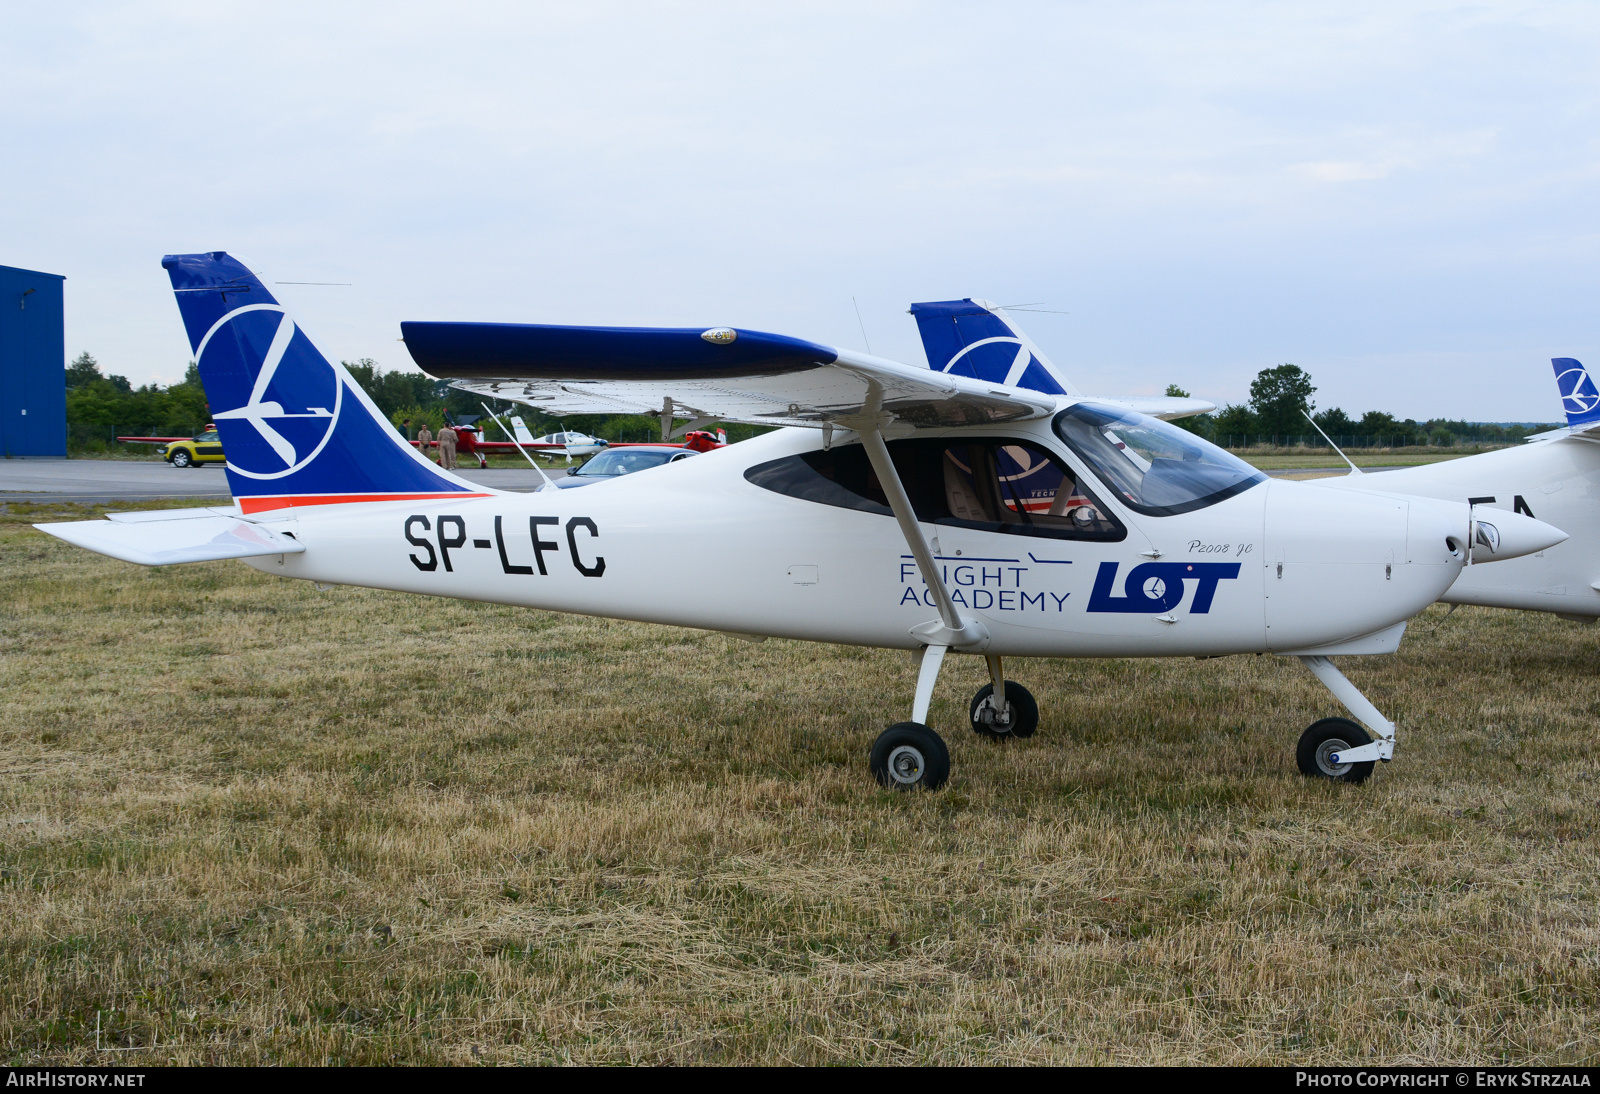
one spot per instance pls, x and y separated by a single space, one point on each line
522 433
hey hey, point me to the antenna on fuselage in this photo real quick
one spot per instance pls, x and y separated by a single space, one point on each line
1354 470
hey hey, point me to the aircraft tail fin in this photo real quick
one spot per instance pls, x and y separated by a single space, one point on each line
296 428
523 435
977 338
1579 396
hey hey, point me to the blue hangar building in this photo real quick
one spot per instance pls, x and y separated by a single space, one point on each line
33 365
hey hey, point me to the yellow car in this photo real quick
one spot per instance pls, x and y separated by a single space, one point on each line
200 449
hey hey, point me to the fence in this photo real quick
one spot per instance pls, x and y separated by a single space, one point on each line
1437 439
88 437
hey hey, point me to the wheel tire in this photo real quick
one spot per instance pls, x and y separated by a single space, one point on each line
181 458
1328 736
908 756
1024 712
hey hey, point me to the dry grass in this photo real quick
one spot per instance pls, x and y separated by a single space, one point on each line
1282 459
244 821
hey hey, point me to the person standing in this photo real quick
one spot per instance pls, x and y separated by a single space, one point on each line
447 448
424 439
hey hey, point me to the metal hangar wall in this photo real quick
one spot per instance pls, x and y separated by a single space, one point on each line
33 364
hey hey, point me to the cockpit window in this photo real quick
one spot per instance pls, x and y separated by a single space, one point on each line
993 485
1150 465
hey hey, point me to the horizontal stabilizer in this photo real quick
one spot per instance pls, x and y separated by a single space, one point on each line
185 537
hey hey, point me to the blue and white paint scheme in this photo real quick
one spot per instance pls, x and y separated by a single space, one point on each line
909 508
297 428
1579 397
976 338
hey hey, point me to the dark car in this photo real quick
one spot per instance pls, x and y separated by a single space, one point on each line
625 460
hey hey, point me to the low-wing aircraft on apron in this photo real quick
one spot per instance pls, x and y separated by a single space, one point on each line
982 506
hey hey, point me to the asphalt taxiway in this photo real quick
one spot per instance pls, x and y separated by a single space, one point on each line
97 482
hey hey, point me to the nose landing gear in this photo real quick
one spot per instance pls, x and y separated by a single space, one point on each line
1323 746
1337 748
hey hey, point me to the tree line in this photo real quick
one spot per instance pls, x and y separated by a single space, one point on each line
101 407
1280 400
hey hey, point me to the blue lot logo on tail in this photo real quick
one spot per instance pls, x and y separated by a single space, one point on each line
296 428
287 434
1579 397
975 338
1158 586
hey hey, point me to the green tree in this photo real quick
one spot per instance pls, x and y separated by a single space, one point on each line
1375 424
1198 424
1335 423
83 370
1281 398
1234 425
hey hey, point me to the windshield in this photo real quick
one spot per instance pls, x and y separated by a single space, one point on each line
1151 465
625 461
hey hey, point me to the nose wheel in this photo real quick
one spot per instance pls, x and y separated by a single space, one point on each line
1323 746
1018 718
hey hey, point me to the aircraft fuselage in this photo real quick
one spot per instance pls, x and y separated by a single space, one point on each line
1281 566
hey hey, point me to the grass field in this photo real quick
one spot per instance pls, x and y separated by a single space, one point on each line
247 821
1327 457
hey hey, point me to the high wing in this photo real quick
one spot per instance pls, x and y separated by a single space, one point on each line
720 374
1165 407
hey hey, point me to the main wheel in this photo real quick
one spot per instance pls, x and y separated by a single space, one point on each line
1021 717
1314 756
909 755
181 458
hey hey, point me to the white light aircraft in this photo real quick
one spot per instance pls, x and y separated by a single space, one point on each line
981 508
570 443
1554 477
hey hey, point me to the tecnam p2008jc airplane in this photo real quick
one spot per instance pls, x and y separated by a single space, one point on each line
984 508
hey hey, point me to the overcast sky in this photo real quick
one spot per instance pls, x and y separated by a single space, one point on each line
1401 198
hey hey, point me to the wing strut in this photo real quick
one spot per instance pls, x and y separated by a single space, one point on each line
951 629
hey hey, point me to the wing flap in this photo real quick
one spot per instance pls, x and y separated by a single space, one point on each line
156 542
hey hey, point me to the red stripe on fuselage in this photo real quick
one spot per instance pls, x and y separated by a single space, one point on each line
261 505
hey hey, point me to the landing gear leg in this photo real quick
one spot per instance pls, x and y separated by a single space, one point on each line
1337 748
909 754
927 676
